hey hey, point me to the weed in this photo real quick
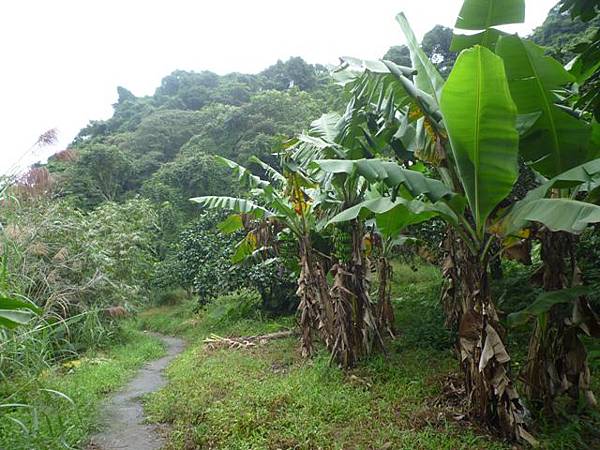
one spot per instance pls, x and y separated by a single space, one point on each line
58 407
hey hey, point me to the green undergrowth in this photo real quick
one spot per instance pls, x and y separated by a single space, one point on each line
58 408
236 314
575 426
269 397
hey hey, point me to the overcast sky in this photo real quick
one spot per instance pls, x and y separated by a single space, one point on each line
61 60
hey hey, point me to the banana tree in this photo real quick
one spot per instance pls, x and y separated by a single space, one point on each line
483 355
553 138
409 102
287 203
346 138
470 121
561 145
557 358
479 118
392 215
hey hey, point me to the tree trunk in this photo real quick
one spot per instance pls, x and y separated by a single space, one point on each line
450 298
315 309
557 359
484 359
355 325
385 311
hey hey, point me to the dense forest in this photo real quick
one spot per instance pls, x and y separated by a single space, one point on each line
395 253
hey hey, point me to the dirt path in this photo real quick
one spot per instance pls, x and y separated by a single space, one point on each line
124 427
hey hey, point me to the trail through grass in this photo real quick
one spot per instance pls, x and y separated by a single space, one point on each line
62 403
268 397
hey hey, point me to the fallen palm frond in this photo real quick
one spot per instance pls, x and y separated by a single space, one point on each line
215 341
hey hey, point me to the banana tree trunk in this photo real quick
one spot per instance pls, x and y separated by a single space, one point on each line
557 359
356 329
484 359
385 312
315 309
453 247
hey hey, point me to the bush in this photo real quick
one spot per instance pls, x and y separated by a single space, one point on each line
419 315
277 286
72 265
422 320
68 262
171 297
201 262
231 308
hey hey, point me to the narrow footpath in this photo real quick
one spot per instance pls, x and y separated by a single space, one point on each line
123 418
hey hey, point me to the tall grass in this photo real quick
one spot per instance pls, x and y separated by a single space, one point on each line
56 408
72 265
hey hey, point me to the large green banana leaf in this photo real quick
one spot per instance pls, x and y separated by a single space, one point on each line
13 318
480 118
428 79
558 141
393 175
483 14
392 216
392 92
588 173
487 38
273 174
231 224
391 89
372 81
545 302
244 176
15 312
557 214
327 127
352 68
239 205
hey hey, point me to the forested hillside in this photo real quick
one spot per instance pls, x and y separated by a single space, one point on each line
390 253
158 144
560 33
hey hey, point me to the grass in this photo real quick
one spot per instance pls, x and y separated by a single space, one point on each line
63 402
269 397
220 318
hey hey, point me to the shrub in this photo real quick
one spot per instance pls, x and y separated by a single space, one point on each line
422 319
67 261
230 308
201 262
73 265
171 297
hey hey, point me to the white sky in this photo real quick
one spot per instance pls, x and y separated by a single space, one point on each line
61 60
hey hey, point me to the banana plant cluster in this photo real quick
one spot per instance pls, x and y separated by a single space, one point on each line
333 284
281 201
411 147
504 100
